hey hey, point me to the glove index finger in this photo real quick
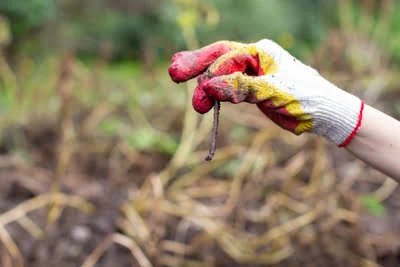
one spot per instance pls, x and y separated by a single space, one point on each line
189 64
247 59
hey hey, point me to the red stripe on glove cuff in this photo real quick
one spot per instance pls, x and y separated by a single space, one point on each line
351 136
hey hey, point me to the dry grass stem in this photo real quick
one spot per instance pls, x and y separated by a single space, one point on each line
11 247
64 149
20 212
40 201
122 240
387 188
32 228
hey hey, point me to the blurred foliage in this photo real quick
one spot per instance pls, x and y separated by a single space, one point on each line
5 32
26 15
148 30
135 28
139 34
373 205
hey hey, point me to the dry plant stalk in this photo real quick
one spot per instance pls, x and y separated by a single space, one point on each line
64 149
19 214
285 214
11 247
122 240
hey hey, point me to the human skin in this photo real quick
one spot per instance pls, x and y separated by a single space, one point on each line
377 142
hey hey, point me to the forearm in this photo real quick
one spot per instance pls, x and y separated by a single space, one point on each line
377 142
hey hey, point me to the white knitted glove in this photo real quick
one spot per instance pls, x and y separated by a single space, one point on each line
290 93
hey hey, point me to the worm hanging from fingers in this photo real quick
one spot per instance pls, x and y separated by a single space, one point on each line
217 106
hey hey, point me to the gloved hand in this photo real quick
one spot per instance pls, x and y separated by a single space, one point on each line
290 93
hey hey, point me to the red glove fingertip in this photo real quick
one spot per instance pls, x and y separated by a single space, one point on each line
189 64
179 71
201 102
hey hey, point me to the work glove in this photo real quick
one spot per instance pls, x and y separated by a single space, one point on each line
293 95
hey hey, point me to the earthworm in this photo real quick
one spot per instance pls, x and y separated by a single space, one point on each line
217 107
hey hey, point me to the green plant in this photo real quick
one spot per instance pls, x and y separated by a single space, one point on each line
25 15
373 205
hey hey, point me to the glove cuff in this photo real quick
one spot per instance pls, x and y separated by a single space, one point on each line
353 133
339 118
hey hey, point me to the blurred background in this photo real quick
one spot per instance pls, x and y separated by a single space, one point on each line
102 156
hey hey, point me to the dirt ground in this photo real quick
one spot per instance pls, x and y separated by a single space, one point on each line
75 235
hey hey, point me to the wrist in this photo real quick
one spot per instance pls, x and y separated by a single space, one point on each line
377 142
